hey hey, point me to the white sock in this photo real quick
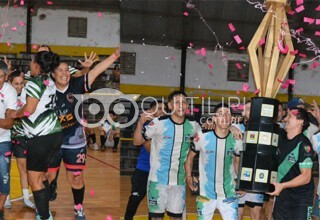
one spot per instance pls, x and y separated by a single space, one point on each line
25 193
8 198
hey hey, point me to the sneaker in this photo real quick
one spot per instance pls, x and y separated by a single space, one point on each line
39 218
53 192
29 204
79 213
7 204
95 146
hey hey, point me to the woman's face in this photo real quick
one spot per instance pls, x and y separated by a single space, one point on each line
62 75
18 84
34 67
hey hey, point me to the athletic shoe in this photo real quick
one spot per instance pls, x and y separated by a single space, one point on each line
95 146
53 192
39 218
79 213
7 204
29 204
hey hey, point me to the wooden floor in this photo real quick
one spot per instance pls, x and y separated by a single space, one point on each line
102 197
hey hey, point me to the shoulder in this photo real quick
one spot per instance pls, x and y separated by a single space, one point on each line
162 118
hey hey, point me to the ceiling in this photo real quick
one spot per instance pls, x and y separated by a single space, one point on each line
163 22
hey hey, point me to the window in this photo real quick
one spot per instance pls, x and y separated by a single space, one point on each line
77 27
238 71
128 63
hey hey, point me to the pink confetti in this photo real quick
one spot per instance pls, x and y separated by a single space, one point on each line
13 141
317 21
203 95
21 2
32 10
190 44
238 92
308 20
291 81
302 55
202 52
188 112
78 173
78 207
20 103
240 107
16 6
21 23
242 48
99 14
299 9
243 76
92 192
109 217
299 2
300 30
195 109
262 41
294 52
314 65
285 85
317 8
18 142
25 152
257 91
294 65
172 57
239 66
14 28
280 81
237 39
49 2
185 13
245 87
291 12
46 82
8 44
284 50
231 27
317 33
7 153
2 95
35 47
26 114
210 66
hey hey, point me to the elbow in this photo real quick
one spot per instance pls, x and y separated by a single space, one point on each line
137 143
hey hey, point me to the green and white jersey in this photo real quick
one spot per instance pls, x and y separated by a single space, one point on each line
17 129
72 70
169 149
44 120
216 167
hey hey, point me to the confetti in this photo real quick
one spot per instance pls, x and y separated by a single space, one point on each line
245 87
291 12
78 207
238 92
317 33
109 217
317 8
231 27
188 112
2 95
18 142
185 13
308 20
91 192
238 65
302 55
280 81
314 65
13 142
257 91
32 10
49 2
46 82
172 57
262 41
203 95
35 47
317 21
99 14
210 66
294 52
294 65
21 2
21 23
8 44
299 2
7 153
237 39
242 48
284 86
25 152
14 28
299 9
284 50
300 30
196 110
291 81
190 44
240 107
202 52
26 114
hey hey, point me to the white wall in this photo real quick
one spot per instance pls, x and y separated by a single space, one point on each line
154 65
307 80
102 31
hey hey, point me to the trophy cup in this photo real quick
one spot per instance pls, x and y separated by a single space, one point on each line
270 63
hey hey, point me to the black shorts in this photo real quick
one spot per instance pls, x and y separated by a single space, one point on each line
19 147
41 150
283 210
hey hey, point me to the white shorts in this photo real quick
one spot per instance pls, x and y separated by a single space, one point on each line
251 200
228 208
166 197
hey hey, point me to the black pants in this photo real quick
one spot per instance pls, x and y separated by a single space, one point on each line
139 181
284 210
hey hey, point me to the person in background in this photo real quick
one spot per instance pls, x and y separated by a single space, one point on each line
294 187
8 97
140 175
18 140
110 133
116 73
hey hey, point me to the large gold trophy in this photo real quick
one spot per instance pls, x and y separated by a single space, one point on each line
270 58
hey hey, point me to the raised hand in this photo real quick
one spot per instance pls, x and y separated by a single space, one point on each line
87 63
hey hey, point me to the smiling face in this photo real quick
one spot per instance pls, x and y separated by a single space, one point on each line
222 118
178 106
18 84
62 75
291 120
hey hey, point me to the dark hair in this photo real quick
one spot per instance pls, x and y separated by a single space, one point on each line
154 103
221 105
111 112
302 114
176 93
44 45
48 61
15 74
3 66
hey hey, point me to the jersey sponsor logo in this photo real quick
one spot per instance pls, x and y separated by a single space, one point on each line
70 97
166 137
188 138
291 158
209 151
196 138
151 124
153 201
231 152
307 149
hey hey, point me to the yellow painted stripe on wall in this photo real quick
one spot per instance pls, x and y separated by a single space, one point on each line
215 95
59 49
